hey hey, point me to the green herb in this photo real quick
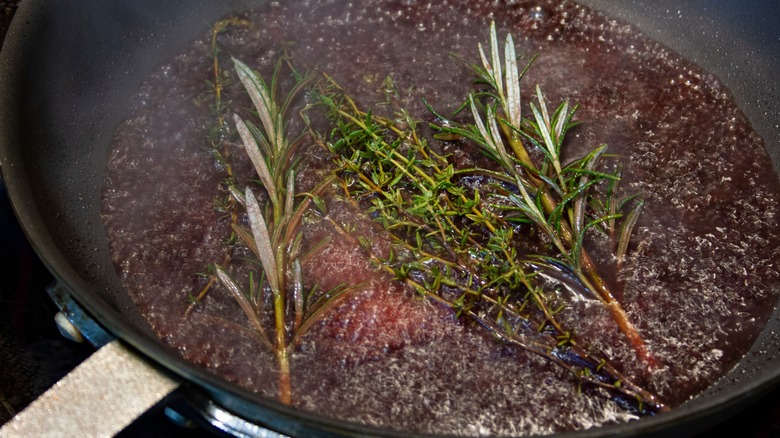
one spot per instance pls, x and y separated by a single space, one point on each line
454 245
273 237
458 246
555 198
274 232
217 144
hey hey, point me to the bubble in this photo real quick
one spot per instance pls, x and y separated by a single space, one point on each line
538 13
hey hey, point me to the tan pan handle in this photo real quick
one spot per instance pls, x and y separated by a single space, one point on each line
99 398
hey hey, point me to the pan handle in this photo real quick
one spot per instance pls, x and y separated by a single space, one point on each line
114 387
99 398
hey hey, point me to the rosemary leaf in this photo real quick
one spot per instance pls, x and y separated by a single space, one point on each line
262 239
253 151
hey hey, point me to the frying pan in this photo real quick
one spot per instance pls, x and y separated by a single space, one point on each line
69 67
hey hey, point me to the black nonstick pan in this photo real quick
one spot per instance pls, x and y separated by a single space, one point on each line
68 69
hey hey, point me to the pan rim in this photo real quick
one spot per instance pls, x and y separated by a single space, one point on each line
153 349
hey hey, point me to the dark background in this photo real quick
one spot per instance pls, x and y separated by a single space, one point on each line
33 355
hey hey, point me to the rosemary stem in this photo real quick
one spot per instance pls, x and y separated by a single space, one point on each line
285 380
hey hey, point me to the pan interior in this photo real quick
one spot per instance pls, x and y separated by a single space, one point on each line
66 122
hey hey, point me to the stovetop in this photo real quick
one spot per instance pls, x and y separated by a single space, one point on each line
33 354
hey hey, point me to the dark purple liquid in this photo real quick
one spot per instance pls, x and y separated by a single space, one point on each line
698 285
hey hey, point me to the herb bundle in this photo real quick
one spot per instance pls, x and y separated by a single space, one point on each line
454 244
458 246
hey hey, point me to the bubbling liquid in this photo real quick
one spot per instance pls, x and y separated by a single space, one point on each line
698 284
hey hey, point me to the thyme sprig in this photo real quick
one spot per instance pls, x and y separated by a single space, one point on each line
274 234
217 144
455 248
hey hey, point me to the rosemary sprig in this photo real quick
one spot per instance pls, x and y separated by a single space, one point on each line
454 248
552 196
274 233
